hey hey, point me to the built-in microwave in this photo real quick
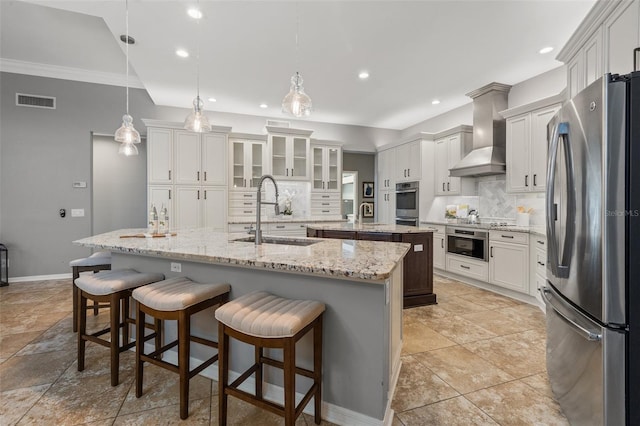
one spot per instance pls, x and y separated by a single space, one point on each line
468 242
407 200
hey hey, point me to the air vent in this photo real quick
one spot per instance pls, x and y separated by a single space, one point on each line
275 123
35 101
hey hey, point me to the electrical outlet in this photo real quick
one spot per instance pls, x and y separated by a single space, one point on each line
176 267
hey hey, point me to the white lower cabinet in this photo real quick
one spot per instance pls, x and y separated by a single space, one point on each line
468 267
214 209
538 266
386 207
159 196
287 229
439 247
325 204
197 207
509 260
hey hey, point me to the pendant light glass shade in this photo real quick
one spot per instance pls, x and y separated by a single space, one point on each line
128 149
197 121
127 133
297 103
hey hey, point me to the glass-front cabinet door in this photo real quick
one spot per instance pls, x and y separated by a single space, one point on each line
279 166
257 163
333 168
238 168
299 164
318 168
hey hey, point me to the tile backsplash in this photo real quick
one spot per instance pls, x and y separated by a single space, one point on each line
493 202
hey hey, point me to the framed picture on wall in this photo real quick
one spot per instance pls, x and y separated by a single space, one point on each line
367 190
368 209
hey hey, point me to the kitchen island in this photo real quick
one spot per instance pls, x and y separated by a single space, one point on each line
418 263
359 281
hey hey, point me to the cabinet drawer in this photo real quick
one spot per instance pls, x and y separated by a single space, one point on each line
539 242
439 229
240 227
541 262
325 204
325 211
242 195
509 237
242 211
241 204
473 269
332 196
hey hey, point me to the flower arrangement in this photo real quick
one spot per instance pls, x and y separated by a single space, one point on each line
287 199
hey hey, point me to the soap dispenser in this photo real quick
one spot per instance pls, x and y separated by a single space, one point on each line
153 220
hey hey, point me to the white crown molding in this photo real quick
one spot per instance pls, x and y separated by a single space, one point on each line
288 131
540 103
68 73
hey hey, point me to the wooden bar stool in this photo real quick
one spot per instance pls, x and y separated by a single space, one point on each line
266 321
98 261
175 299
112 288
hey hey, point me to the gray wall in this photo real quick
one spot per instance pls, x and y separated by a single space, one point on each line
119 187
42 152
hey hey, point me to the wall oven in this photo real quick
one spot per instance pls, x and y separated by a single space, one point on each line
468 242
407 203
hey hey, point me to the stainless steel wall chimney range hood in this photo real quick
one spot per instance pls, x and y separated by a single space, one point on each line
489 133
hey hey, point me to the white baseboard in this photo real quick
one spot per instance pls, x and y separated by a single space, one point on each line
39 278
331 413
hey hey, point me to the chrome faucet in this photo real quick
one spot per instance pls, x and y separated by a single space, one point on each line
361 211
259 206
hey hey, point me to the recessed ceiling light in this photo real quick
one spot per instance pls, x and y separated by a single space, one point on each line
363 75
182 53
194 13
435 102
546 50
213 100
264 106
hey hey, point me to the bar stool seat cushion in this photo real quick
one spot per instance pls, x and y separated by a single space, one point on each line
97 258
113 281
177 293
261 314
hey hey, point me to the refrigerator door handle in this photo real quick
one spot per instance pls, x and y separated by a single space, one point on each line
587 334
560 268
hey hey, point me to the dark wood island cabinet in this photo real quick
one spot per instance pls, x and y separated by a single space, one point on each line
417 265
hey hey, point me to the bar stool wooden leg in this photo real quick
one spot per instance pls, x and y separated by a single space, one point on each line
125 315
258 360
139 349
115 337
81 326
289 356
223 373
317 370
76 274
184 328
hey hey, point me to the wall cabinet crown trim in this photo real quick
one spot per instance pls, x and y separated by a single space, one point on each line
463 128
541 103
248 136
175 125
288 131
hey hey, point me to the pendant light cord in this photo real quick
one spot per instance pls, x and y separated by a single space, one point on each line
127 49
297 42
198 54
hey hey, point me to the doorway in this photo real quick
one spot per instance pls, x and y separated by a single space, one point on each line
350 191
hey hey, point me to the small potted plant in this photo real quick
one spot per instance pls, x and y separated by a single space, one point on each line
287 198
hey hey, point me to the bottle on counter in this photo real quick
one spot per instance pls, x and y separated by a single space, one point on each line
153 220
163 221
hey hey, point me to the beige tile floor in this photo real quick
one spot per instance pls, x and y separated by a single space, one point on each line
475 358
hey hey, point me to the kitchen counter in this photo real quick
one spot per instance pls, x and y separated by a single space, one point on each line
360 282
373 227
356 259
313 219
538 230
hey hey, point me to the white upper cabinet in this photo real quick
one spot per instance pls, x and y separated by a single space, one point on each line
450 148
603 43
198 158
408 158
289 150
159 155
248 163
527 144
187 148
385 169
326 168
214 170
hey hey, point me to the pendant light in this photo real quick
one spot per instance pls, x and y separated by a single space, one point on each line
296 102
127 134
197 121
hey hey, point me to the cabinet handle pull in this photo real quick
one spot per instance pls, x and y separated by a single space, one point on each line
248 204
326 204
540 242
441 243
198 176
325 196
448 187
247 211
491 252
507 236
291 172
326 211
169 174
205 176
405 172
246 195
287 172
169 194
540 263
534 180
198 194
443 187
280 226
245 184
409 172
205 194
322 185
464 267
526 180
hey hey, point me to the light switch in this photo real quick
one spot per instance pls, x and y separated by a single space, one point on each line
79 184
77 212
417 247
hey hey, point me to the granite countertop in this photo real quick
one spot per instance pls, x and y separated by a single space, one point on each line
312 219
365 260
538 230
373 227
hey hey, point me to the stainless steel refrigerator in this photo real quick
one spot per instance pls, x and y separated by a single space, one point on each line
593 269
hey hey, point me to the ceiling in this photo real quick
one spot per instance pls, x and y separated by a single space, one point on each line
414 51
